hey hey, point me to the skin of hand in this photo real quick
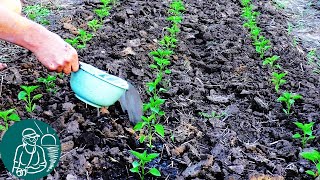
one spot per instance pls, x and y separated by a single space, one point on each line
50 49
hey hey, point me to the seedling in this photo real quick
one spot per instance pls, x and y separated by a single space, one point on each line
49 82
245 2
103 11
168 42
212 115
26 96
262 45
173 30
314 60
81 40
37 13
271 62
94 25
289 99
277 80
139 166
176 7
307 132
175 19
314 157
290 27
9 115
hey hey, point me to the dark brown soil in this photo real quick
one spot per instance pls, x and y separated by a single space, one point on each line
215 69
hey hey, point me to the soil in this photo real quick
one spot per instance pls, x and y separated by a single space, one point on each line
215 68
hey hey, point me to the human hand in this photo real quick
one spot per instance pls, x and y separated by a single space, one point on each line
55 54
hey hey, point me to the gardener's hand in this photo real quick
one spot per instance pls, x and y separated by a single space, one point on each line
56 54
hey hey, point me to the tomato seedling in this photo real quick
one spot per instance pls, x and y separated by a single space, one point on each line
262 46
9 115
139 166
307 132
81 40
94 24
278 80
26 96
289 99
314 157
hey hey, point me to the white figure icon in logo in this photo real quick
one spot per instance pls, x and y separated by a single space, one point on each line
31 158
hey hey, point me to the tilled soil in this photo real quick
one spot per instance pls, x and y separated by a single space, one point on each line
215 69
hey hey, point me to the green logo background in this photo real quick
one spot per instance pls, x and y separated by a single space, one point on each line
30 149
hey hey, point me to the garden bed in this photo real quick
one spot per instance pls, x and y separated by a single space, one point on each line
215 68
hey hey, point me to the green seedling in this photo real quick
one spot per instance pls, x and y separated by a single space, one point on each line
173 30
175 19
94 25
168 42
255 33
277 80
307 132
245 2
49 82
271 62
212 115
26 96
103 11
314 60
9 115
37 13
81 40
289 99
177 7
314 157
139 167
262 45
290 27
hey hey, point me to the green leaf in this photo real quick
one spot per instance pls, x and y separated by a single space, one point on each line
159 129
22 95
151 156
137 154
311 173
155 172
36 97
167 71
135 164
139 126
2 128
296 136
153 66
33 107
14 117
299 125
142 138
135 170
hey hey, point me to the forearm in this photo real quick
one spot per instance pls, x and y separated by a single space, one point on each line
21 31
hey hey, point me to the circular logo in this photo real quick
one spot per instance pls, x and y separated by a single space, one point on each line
30 149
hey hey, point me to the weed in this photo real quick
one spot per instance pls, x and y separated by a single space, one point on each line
9 115
307 132
26 96
271 62
139 166
314 157
277 80
94 25
212 115
289 99
37 13
49 82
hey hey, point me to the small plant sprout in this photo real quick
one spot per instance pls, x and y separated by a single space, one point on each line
307 132
9 115
271 62
245 2
175 19
278 80
289 99
139 166
94 25
314 157
177 7
212 115
173 30
37 13
25 95
81 40
262 46
49 82
314 60
103 11
168 42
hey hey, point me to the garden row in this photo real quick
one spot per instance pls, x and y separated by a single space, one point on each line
262 45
